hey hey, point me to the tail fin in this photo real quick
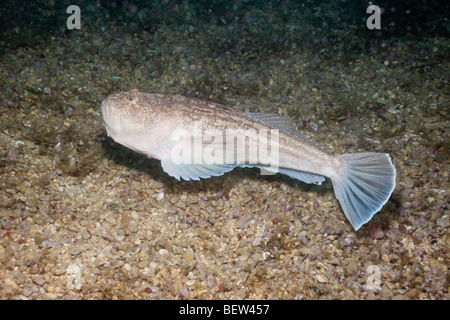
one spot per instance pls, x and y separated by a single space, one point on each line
364 185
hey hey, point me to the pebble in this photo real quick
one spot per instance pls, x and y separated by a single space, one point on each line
50 289
257 241
375 231
39 280
85 234
75 250
443 222
163 252
321 278
46 244
27 291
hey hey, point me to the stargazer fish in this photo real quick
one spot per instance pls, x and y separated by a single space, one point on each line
197 139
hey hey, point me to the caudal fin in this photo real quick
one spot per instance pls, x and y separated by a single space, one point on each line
363 185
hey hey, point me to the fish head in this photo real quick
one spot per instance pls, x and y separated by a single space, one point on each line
120 115
136 120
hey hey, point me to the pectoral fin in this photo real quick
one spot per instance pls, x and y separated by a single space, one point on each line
194 171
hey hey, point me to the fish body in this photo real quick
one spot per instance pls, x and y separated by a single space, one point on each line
198 139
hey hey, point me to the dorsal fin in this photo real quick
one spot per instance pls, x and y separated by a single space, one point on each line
276 121
282 123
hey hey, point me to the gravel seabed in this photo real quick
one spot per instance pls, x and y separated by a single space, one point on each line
82 217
